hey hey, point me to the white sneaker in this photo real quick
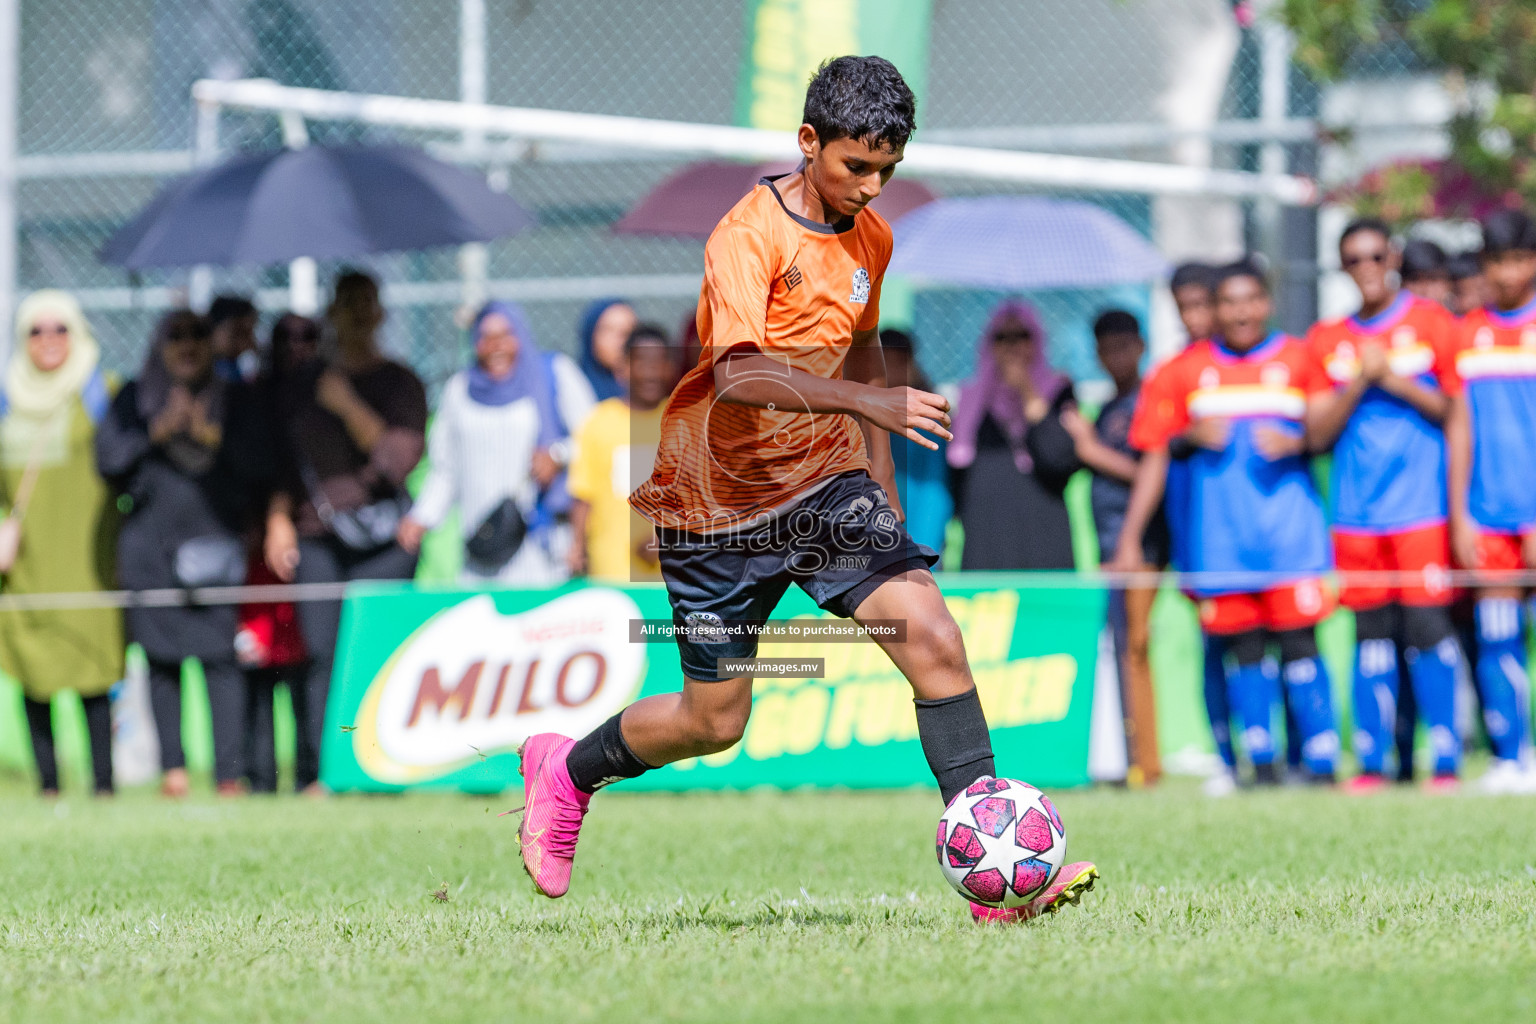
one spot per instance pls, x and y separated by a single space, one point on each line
1223 783
1505 777
1528 780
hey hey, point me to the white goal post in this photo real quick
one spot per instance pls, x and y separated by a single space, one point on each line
685 138
531 134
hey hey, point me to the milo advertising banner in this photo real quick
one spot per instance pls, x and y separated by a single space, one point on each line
436 688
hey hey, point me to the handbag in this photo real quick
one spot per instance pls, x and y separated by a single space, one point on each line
367 528
215 560
499 535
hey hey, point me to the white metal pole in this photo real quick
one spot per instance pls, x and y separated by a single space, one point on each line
472 62
473 259
648 134
303 273
10 95
205 150
1274 97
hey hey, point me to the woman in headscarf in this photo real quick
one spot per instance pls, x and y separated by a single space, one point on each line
187 451
605 327
498 450
54 395
1010 455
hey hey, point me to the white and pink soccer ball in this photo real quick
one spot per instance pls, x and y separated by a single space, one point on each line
1001 842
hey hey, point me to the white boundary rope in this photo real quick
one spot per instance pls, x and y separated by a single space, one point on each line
1231 582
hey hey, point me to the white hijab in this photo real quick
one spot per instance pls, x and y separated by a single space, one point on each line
29 390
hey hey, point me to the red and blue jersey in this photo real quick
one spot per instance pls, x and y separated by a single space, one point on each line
1245 513
1176 487
1496 368
1389 461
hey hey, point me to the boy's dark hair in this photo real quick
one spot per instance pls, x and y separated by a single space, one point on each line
1360 224
1185 275
1245 267
229 307
1422 259
1462 266
647 334
1115 321
862 98
1508 231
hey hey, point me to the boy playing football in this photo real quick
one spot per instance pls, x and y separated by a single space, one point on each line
775 468
1490 435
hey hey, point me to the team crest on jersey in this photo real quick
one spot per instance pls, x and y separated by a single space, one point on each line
1210 377
705 628
1528 338
860 291
1341 364
1403 337
1275 375
1483 338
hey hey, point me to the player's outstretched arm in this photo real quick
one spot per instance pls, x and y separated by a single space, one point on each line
752 378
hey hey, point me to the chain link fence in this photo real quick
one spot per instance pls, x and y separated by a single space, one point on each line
105 117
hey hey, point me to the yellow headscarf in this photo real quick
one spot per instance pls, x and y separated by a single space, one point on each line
29 390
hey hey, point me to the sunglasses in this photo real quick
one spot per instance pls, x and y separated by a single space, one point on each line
1370 257
38 332
1008 336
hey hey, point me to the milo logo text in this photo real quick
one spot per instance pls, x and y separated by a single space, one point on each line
473 681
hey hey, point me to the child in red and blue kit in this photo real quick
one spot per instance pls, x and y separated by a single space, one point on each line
1255 517
1490 440
1390 365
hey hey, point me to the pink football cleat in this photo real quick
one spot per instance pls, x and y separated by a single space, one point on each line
1365 784
1071 882
552 811
1442 784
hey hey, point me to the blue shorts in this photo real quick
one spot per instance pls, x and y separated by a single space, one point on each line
838 545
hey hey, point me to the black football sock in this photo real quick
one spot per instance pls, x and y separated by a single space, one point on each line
953 731
602 757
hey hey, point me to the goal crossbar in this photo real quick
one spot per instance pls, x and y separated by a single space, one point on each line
1076 173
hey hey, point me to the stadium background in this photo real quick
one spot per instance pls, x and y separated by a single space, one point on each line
103 118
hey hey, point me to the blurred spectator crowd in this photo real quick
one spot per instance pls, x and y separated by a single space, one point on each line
310 457
226 462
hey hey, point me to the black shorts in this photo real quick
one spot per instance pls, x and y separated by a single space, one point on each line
838 545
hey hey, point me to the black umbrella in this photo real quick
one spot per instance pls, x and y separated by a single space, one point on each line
320 201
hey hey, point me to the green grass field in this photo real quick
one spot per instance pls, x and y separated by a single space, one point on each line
1286 906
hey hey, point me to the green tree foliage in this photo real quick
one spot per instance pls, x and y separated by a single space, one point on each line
1487 51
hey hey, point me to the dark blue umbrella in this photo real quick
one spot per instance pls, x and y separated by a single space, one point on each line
320 201
1022 243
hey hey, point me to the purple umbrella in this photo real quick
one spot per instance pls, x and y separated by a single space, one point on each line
320 201
1022 243
691 202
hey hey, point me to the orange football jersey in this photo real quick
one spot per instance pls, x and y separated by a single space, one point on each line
793 289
